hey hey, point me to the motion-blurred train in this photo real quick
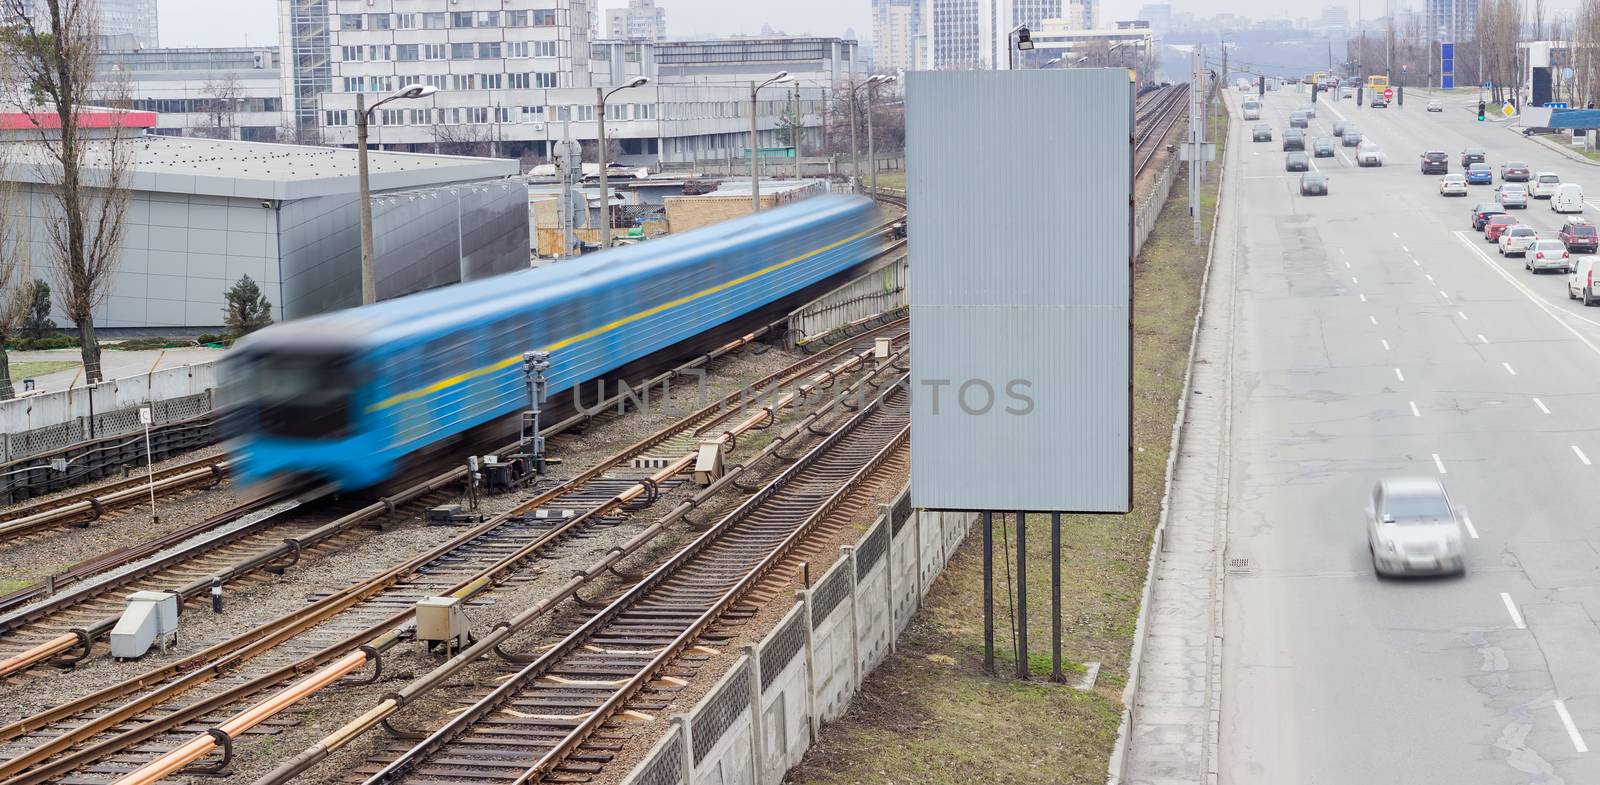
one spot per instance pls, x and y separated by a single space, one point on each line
347 397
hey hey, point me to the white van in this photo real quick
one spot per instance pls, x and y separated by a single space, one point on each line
1568 198
1582 283
1252 110
1543 185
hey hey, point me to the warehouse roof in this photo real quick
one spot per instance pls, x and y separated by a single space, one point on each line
263 170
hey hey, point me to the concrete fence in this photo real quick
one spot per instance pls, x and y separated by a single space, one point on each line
760 719
879 291
1149 208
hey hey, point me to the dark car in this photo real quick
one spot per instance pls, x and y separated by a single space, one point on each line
1339 126
1294 139
1298 120
1483 212
1261 133
1470 156
1296 162
1313 184
1351 136
1436 162
1514 172
1322 147
1580 236
1480 174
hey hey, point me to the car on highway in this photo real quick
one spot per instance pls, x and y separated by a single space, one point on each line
1351 136
1479 174
1368 154
1296 161
1294 139
1544 185
1497 224
1379 102
1453 185
1515 240
1322 147
1514 172
1579 235
1309 110
1252 109
1482 212
1568 198
1581 283
1471 155
1299 120
1313 184
1435 162
1546 254
1434 105
1511 195
1261 132
1339 127
1412 528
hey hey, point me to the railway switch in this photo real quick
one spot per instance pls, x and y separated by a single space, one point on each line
150 619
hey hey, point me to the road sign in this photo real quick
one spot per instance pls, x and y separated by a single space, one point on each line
1555 104
1507 110
1488 85
1566 73
1388 93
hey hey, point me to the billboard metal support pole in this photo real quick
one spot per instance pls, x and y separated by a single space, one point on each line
1022 595
1055 598
988 591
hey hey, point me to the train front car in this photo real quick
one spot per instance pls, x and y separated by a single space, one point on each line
348 397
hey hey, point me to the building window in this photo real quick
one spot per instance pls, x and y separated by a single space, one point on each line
405 52
435 21
616 111
377 21
337 117
545 49
376 53
516 49
544 79
437 81
461 51
421 116
461 81
405 21
631 54
543 18
516 19
532 114
518 80
433 51
352 54
393 117
355 84
489 81
461 19
489 50
644 111
350 22
488 18
502 114
584 112
477 114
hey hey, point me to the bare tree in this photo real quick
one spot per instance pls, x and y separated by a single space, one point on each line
220 108
463 139
294 134
16 291
50 57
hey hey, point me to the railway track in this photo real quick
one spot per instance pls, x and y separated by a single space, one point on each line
554 717
371 616
89 504
1154 115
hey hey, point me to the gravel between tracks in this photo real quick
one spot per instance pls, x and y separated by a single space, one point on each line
252 605
40 555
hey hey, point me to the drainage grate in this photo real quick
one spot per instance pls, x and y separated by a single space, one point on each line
1239 566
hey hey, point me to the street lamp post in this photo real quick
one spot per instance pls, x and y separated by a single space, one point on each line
605 185
369 284
872 155
755 173
855 148
1024 42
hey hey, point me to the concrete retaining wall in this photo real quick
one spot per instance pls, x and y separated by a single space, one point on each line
51 421
882 290
760 719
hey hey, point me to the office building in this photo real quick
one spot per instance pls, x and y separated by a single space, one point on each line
976 33
641 19
896 25
132 22
1084 14
1451 20
222 93
1159 15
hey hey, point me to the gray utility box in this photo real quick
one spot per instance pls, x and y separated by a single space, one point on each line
442 619
151 618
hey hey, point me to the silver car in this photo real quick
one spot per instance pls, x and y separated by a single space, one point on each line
1511 195
1412 529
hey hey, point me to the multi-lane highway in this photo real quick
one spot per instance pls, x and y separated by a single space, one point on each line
1377 334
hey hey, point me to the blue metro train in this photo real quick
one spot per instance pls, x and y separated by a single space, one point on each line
348 396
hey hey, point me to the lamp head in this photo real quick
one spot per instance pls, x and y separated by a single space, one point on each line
1024 40
640 82
418 91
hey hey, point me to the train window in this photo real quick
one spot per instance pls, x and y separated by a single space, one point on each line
305 396
509 338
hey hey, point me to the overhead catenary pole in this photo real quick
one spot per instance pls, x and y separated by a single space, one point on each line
1196 136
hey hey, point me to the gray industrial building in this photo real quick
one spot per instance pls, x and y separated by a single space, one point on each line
203 213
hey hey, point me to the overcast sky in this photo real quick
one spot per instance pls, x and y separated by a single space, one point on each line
254 22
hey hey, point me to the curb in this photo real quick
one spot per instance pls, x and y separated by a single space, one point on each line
1540 140
1117 765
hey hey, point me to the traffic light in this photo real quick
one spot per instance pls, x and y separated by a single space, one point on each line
1481 107
1314 88
1261 86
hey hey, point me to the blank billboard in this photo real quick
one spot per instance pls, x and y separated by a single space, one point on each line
1021 243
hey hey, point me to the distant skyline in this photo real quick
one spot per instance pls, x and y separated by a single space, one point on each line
255 22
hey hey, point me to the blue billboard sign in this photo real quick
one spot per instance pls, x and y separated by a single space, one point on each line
1447 66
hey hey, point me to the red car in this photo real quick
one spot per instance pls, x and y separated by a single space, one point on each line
1495 225
1580 236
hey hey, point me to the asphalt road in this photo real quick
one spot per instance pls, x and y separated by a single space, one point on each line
1378 335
